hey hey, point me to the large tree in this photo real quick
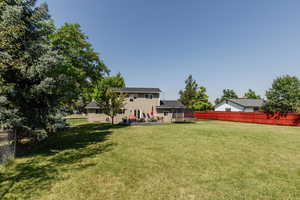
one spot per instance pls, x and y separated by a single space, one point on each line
194 96
284 95
250 94
227 94
30 76
81 64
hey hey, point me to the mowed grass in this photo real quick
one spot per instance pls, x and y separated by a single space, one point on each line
76 121
202 160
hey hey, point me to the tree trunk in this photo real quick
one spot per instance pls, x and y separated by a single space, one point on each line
112 120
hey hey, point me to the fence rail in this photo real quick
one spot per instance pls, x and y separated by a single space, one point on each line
290 119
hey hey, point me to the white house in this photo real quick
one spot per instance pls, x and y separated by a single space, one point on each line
240 105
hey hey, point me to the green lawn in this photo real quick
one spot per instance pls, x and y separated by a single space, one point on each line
203 160
77 121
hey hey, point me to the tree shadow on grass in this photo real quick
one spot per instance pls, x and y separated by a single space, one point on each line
67 151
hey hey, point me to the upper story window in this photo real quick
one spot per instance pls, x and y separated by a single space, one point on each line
148 96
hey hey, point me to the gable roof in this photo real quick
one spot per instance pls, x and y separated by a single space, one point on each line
92 105
248 103
170 104
137 90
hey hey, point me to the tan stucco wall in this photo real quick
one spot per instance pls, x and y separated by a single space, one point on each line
172 115
93 117
140 103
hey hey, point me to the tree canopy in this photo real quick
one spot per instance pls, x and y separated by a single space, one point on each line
227 94
250 94
109 101
29 68
81 64
194 96
284 95
42 69
103 84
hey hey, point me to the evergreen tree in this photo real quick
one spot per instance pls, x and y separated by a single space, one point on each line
30 81
194 96
200 102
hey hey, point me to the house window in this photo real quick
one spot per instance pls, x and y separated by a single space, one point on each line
228 109
148 96
166 113
122 111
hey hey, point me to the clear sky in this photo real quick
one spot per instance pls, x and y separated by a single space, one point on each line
231 44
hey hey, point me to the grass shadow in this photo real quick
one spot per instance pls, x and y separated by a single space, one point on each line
65 151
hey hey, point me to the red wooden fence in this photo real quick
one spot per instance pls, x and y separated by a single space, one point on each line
291 119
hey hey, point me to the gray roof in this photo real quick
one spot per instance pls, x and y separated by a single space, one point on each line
250 103
170 104
137 90
92 105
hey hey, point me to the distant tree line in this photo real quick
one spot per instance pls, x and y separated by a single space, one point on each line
282 97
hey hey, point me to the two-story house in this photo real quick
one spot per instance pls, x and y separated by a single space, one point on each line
140 103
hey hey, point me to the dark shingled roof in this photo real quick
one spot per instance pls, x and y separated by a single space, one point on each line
170 104
92 105
250 103
137 90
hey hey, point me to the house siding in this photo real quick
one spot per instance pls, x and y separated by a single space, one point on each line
229 105
140 103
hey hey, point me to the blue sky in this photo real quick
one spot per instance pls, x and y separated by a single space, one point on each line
223 43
